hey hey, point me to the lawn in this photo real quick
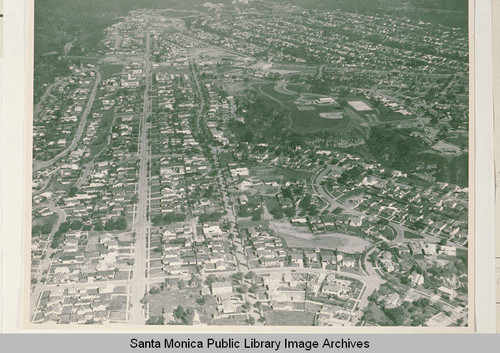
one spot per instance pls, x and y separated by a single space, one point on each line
294 174
282 97
299 88
289 318
306 119
311 121
389 233
111 70
171 298
387 115
411 235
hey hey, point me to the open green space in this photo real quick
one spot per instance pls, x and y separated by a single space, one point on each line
411 235
298 88
110 70
389 233
295 174
270 90
311 121
289 318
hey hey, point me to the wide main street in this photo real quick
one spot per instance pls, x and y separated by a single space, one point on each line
141 224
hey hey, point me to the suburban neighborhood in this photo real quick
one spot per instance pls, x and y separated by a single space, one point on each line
254 163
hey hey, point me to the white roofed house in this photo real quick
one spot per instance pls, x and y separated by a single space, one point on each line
416 279
239 172
221 289
448 250
447 293
336 289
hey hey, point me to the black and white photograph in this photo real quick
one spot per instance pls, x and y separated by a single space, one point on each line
249 163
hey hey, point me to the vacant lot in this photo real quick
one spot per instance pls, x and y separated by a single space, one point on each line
170 299
300 236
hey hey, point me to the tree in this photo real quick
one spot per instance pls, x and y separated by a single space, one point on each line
256 216
289 212
243 211
135 198
251 320
188 317
46 228
110 225
277 213
210 279
65 227
305 202
179 312
98 226
156 320
195 280
121 223
154 290
250 275
238 276
397 315
75 225
72 191
253 288
181 284
201 301
185 316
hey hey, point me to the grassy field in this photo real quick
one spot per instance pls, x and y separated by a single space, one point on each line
387 115
389 233
111 70
308 119
170 299
294 174
298 88
411 235
289 318
269 89
311 121
253 224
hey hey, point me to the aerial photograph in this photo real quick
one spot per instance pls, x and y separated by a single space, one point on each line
250 163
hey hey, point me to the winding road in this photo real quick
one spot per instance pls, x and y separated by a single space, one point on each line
37 165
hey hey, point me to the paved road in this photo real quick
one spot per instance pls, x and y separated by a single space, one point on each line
39 105
45 183
141 224
37 165
334 203
47 261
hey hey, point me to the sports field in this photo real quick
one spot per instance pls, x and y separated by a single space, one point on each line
305 114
